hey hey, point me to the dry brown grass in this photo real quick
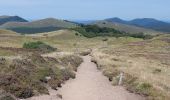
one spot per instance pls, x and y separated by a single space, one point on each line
147 61
7 33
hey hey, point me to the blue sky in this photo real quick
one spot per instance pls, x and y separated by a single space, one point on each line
86 9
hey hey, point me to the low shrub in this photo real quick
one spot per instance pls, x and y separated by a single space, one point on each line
157 71
144 88
38 45
110 74
85 53
73 60
13 85
67 74
6 96
24 92
77 34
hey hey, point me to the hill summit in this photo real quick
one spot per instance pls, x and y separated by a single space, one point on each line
4 19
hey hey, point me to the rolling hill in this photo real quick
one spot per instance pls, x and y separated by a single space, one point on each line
124 27
7 33
44 25
5 19
149 23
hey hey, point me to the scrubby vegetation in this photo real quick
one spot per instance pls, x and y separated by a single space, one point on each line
38 45
6 96
91 31
27 77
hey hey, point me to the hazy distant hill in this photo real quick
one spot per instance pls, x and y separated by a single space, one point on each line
5 19
44 25
123 27
149 23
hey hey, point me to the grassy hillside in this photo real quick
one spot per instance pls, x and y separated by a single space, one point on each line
44 25
124 27
29 30
145 65
7 32
29 70
91 31
5 19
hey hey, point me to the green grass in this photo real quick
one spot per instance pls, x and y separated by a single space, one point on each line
38 45
7 53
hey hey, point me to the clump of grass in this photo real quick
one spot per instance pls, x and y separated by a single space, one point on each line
67 74
2 61
157 70
77 34
111 74
72 60
85 53
38 45
13 85
6 96
144 88
6 53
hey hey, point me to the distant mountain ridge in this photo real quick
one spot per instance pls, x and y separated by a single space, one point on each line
4 19
21 25
149 23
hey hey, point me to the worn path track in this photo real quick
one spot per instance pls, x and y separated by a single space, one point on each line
90 84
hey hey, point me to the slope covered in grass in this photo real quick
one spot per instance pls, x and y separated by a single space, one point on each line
7 32
5 19
39 26
124 27
144 62
91 31
145 65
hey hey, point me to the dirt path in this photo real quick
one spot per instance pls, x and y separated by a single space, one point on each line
90 84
